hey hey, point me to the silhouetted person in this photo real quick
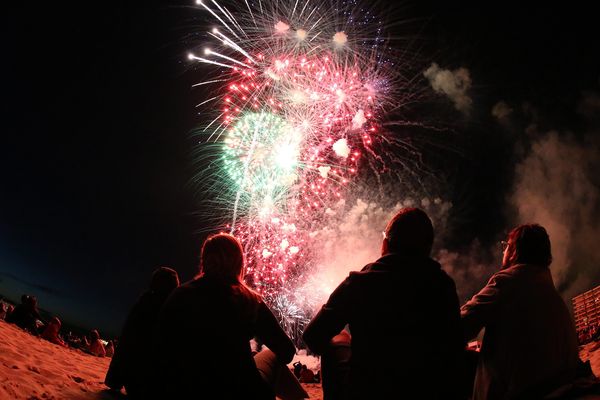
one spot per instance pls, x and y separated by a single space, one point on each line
133 355
51 332
3 308
96 347
26 314
530 345
110 349
297 369
403 316
306 375
205 327
335 367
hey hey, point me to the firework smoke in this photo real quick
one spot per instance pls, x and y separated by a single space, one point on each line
454 84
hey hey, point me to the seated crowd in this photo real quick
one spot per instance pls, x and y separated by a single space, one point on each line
182 341
200 333
26 316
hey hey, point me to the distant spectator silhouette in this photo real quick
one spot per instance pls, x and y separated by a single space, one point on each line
4 308
96 347
110 349
204 332
51 332
403 315
133 354
26 314
306 375
297 369
530 346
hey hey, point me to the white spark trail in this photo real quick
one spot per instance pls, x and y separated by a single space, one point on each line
226 15
206 101
212 122
231 43
208 82
236 23
207 61
217 17
251 14
303 8
294 10
229 59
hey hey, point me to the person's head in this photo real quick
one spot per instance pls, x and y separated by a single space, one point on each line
55 321
94 335
31 302
222 257
54 325
527 244
24 298
164 280
409 232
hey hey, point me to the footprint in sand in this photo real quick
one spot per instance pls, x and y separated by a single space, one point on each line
77 379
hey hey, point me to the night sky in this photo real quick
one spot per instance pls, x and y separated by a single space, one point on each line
97 145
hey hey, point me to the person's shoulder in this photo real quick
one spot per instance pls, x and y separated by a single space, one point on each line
522 274
442 279
178 295
509 273
187 288
354 278
445 278
357 275
505 278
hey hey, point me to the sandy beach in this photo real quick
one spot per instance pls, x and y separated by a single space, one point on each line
33 369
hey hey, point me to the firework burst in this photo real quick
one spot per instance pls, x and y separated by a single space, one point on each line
297 93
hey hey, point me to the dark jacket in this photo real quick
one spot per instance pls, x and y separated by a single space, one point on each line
403 315
202 343
25 317
133 354
529 346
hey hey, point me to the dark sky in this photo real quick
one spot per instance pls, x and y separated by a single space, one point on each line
97 116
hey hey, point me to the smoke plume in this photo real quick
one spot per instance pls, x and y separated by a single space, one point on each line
454 84
556 186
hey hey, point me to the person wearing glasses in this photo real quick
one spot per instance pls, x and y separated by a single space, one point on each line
390 308
529 346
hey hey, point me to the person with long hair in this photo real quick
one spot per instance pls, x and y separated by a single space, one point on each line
205 327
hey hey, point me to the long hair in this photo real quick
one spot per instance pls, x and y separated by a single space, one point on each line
222 258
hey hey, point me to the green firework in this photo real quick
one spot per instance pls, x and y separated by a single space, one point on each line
261 156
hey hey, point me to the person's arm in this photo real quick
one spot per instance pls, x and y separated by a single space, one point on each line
330 320
450 318
101 350
482 308
270 333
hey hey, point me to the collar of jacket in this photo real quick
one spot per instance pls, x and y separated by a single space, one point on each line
392 261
